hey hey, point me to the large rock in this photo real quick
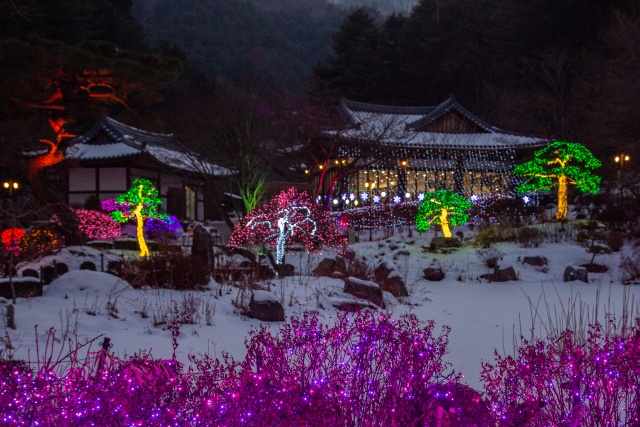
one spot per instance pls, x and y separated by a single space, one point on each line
389 279
537 261
504 274
433 274
352 306
325 267
265 306
445 242
575 272
340 265
202 244
364 289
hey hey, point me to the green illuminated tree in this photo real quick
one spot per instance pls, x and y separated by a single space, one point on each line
560 164
442 207
139 203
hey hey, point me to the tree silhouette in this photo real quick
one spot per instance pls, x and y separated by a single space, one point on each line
442 207
290 216
560 164
69 87
139 203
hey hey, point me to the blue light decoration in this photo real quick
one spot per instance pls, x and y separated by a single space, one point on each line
376 199
397 199
421 196
352 196
343 197
526 199
364 196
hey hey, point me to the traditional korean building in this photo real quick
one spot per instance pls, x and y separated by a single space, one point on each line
105 160
389 153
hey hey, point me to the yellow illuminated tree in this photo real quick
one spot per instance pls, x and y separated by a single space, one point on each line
560 164
139 203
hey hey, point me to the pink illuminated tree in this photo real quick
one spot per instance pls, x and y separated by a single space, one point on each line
289 217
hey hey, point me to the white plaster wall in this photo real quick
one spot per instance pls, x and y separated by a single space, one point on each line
113 179
78 200
82 179
168 181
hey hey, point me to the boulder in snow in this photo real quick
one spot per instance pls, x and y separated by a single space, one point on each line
433 274
265 306
575 272
389 279
364 289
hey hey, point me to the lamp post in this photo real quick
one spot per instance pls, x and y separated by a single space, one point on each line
10 186
621 160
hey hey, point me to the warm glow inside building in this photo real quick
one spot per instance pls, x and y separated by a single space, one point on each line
389 153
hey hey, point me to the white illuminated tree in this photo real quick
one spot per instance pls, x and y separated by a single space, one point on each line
291 216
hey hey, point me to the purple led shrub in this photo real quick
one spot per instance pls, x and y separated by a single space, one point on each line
362 370
163 225
568 381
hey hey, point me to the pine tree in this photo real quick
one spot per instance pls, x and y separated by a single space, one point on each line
442 207
560 164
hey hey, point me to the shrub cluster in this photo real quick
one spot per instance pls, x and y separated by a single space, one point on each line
530 237
490 234
167 270
569 380
364 370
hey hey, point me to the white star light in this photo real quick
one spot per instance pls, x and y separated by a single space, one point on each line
352 196
343 197
376 199
526 199
421 196
364 196
396 199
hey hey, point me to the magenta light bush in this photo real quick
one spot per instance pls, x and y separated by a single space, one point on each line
365 369
95 224
568 381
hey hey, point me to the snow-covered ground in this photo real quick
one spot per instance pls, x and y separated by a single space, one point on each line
483 316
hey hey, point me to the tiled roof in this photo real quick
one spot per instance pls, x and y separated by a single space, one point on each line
127 141
406 127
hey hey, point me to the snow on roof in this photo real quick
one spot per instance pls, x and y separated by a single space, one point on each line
127 141
83 151
403 127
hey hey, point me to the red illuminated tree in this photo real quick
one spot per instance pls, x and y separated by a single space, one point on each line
69 87
289 217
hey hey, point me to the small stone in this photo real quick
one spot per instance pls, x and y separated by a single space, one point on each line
433 274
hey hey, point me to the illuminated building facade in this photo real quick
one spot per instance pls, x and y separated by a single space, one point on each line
390 153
